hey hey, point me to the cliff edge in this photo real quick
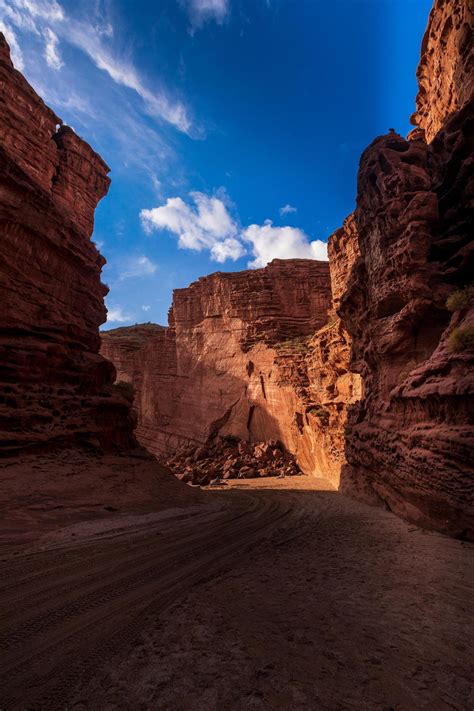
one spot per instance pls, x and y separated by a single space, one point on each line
55 387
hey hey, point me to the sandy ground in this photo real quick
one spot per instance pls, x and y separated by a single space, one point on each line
43 492
267 594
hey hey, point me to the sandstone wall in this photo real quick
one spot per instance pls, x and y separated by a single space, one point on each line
378 396
410 440
234 361
332 386
446 70
259 355
54 385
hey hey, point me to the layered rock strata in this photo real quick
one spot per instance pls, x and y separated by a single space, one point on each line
396 351
54 385
446 70
234 362
409 305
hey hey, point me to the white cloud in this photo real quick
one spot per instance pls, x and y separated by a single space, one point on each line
116 314
49 10
202 11
51 53
207 225
93 38
287 209
146 307
15 50
25 14
133 267
270 242
70 101
124 73
157 186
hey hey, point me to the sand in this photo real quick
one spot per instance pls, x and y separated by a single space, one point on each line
266 594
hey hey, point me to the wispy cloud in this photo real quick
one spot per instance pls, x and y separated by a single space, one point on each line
133 267
202 11
48 18
113 119
156 103
16 53
26 13
51 52
208 225
287 210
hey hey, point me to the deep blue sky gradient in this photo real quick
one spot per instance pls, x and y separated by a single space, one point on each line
283 96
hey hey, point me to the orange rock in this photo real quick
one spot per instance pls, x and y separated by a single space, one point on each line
54 385
377 395
232 362
446 70
409 441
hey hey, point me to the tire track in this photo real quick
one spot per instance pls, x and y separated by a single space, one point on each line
72 616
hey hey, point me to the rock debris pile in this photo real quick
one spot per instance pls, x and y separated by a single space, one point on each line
232 458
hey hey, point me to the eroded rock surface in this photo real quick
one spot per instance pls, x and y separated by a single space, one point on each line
410 440
234 361
213 371
257 355
54 385
262 356
446 70
408 304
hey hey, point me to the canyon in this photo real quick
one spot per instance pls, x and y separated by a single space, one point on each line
233 362
359 367
64 426
285 398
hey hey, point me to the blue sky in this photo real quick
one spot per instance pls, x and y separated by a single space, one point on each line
233 128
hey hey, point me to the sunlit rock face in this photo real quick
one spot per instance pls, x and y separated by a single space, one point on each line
446 69
409 441
258 355
359 368
332 386
54 385
233 362
215 370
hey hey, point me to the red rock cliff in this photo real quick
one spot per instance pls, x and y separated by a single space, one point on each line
54 385
409 441
253 354
446 69
235 361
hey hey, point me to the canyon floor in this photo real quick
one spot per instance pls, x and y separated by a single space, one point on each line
265 594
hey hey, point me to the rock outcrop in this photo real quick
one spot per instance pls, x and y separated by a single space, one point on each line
257 355
54 385
446 70
410 440
408 306
374 391
234 362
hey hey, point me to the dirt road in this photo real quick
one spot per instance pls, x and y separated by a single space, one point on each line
296 598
